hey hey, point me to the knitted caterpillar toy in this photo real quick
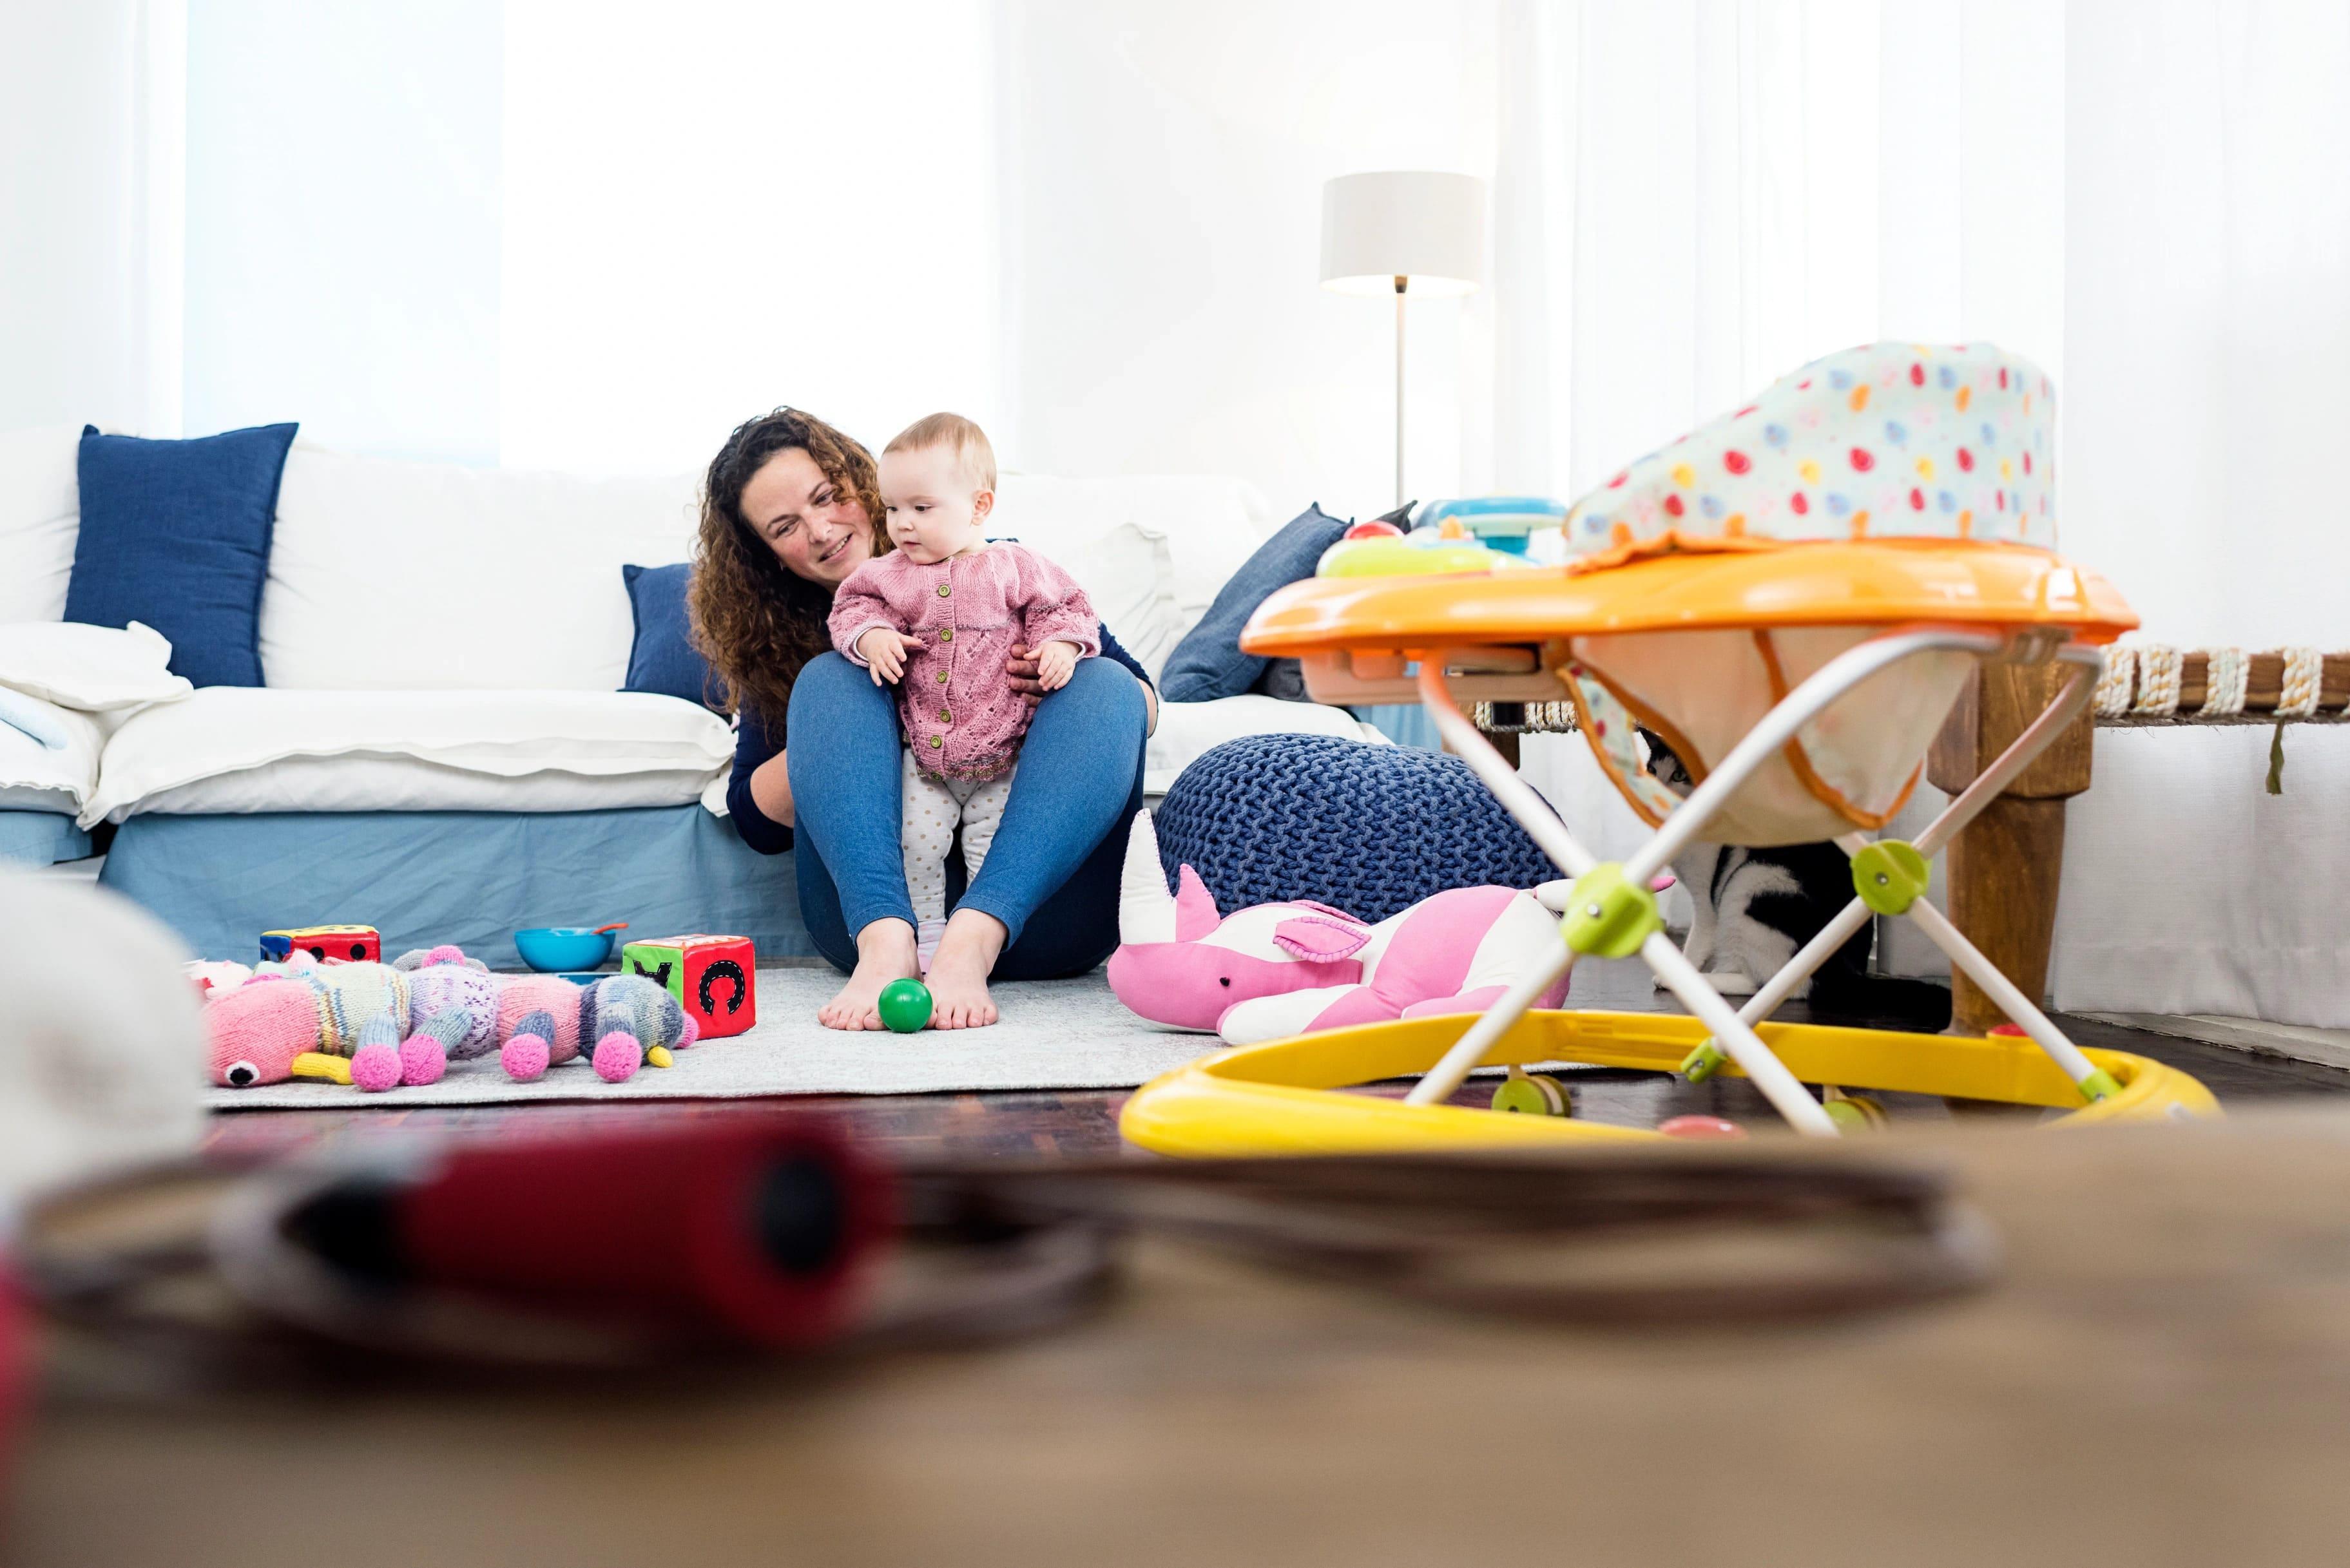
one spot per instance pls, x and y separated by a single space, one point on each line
378 1025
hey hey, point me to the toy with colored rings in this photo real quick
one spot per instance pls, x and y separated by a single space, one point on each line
1406 558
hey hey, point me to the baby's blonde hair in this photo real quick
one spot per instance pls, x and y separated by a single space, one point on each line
965 439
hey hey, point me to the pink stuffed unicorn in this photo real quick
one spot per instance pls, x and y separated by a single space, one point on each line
1277 969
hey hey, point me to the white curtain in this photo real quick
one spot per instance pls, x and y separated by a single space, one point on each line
2207 315
713 208
89 189
1694 196
2147 199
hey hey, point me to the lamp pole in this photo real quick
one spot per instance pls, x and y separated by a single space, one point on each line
1401 281
1391 228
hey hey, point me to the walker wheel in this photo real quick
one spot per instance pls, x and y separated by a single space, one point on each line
1532 1094
1856 1113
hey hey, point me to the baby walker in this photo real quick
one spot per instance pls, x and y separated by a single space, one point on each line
1793 597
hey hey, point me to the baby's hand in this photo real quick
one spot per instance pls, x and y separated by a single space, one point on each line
1055 662
885 651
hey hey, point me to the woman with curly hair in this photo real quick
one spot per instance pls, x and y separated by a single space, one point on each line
790 507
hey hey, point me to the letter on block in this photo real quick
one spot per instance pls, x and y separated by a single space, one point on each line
714 979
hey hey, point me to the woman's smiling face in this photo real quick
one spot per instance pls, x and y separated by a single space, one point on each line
816 529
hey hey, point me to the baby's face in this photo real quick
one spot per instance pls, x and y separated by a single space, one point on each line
934 509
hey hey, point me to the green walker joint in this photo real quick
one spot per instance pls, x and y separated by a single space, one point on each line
2099 1084
1889 876
1607 915
1703 1063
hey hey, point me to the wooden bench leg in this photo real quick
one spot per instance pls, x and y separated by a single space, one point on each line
2003 872
2004 868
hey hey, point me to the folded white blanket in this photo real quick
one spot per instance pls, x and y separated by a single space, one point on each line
33 717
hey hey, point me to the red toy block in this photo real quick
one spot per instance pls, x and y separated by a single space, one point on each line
350 944
714 979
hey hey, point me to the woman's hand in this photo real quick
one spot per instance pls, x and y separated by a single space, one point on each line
1022 668
884 653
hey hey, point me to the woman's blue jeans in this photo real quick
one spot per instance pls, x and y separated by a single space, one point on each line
1052 876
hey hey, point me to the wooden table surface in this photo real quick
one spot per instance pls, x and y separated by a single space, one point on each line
2161 1377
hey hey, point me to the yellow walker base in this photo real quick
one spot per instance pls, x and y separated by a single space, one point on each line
1276 1098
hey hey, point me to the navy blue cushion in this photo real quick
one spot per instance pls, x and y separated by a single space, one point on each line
175 534
663 658
1208 663
1368 829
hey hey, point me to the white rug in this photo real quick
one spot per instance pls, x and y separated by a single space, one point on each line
1055 1034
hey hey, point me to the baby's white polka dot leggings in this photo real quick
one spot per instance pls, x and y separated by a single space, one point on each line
933 808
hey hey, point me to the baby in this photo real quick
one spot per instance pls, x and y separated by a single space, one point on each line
936 618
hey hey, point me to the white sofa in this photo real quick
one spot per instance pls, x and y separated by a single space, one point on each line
444 639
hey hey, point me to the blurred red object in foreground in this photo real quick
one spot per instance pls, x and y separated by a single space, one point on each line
15 1370
758 1231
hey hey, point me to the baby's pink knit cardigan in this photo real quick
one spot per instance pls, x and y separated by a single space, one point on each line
962 717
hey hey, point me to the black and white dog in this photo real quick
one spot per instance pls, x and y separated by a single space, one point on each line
1754 909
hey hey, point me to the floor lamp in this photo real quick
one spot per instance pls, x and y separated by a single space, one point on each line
1407 231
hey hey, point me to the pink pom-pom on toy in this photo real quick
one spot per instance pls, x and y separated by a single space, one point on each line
422 1060
376 1068
524 1057
618 1057
693 1032
444 953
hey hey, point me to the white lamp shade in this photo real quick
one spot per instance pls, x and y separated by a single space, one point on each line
1427 227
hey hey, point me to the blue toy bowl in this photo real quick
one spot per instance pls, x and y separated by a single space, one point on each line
551 950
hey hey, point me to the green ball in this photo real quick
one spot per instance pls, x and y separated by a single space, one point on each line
905 1005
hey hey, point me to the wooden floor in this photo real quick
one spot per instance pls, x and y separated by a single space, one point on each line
1081 1124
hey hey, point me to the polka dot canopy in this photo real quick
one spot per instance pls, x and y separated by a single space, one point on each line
1886 440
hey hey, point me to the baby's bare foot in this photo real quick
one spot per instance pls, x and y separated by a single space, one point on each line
885 952
958 977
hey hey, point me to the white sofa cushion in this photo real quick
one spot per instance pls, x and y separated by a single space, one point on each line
242 749
93 669
1152 551
1187 729
394 576
34 777
40 514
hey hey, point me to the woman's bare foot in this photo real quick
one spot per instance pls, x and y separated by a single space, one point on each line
885 952
958 978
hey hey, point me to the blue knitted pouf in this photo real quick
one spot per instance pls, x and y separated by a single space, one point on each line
1367 829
